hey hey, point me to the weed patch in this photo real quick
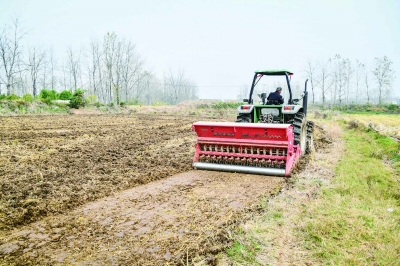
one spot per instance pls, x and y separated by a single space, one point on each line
243 253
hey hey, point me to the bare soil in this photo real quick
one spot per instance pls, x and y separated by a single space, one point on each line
115 190
51 164
170 220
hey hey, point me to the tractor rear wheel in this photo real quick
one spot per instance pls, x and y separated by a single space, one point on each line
310 137
243 119
300 131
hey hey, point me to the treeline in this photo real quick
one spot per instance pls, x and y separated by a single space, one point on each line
340 81
110 69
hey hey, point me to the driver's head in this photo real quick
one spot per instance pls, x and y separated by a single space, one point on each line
279 90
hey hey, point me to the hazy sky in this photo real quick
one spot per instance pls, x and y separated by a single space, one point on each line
220 43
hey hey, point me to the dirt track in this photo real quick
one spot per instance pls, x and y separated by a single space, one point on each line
170 220
102 191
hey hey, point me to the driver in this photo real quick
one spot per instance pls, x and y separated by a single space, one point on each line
275 97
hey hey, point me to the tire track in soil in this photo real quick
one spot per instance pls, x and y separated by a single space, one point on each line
166 221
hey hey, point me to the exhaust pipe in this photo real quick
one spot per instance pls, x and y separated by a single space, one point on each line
305 99
239 169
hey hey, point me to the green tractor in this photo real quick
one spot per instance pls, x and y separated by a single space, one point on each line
292 112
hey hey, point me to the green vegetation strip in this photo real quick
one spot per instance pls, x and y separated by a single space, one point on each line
355 221
360 108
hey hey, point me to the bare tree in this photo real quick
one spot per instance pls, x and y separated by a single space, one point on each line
324 79
36 65
65 74
358 72
109 59
132 71
142 83
74 67
113 71
311 76
48 78
243 92
10 53
384 76
53 69
147 83
21 80
179 87
366 81
349 70
339 75
175 82
95 66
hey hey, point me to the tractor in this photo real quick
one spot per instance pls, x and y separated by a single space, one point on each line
267 138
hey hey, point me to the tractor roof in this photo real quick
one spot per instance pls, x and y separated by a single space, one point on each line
274 72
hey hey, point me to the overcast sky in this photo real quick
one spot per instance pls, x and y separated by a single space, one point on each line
220 43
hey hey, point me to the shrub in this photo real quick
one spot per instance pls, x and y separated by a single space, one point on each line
2 96
353 124
219 105
12 97
91 99
158 103
12 106
28 98
226 105
46 101
65 95
22 105
77 100
134 102
392 107
48 94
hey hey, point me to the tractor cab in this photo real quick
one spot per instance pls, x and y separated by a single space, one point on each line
268 111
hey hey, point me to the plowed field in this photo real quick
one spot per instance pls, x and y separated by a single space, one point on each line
115 190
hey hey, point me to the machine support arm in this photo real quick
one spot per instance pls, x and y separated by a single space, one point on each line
290 89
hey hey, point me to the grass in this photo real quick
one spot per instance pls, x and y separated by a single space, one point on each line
342 210
244 253
387 120
351 223
218 105
361 108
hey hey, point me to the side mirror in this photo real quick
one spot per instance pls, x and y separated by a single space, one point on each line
246 100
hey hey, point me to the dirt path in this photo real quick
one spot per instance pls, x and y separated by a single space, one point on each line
170 220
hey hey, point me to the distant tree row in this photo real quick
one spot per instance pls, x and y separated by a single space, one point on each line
340 81
110 69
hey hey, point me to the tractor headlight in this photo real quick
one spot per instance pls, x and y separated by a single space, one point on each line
272 111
